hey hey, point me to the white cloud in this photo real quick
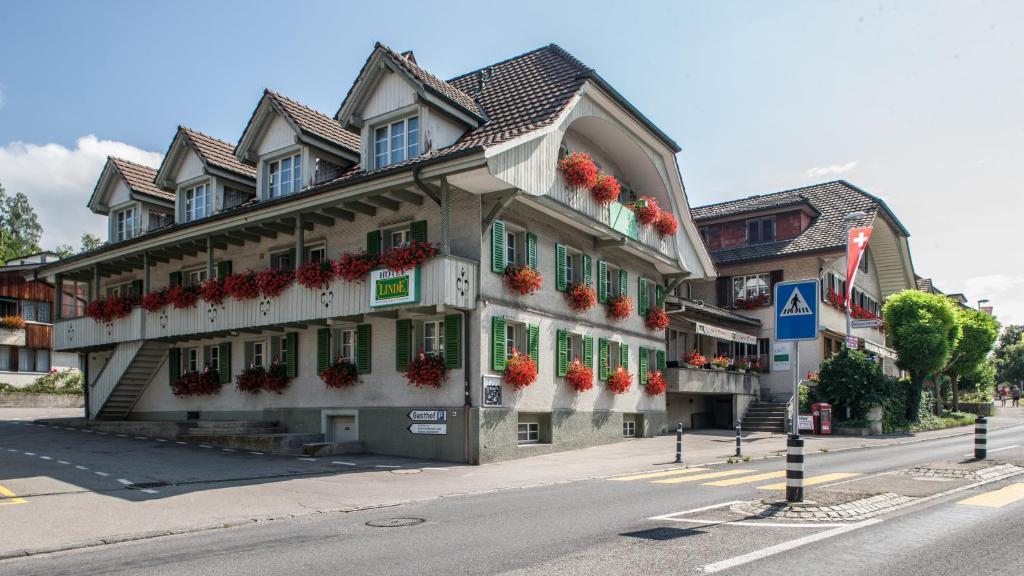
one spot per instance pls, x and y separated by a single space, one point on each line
1005 292
820 171
58 182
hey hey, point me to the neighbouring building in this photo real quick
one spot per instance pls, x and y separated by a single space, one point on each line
470 165
794 235
26 322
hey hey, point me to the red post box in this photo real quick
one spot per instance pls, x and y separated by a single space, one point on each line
822 414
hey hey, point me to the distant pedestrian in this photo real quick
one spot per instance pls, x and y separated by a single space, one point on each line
1003 392
1015 393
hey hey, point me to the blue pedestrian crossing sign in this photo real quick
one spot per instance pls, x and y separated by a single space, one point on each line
796 310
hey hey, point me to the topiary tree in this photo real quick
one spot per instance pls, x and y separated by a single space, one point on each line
849 379
924 331
979 331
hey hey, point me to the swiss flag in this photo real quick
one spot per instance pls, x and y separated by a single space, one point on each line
856 244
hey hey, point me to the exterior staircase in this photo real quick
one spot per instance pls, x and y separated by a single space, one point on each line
765 417
124 378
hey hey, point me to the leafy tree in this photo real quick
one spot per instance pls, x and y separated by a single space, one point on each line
924 331
982 380
979 331
90 242
1007 352
849 379
19 227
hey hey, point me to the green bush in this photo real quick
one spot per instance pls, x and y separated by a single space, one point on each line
899 395
806 397
851 380
59 382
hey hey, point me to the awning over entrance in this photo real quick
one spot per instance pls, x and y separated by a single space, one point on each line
879 350
725 334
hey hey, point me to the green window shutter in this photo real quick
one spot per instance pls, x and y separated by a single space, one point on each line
602 359
563 352
224 370
498 343
418 230
624 356
588 351
403 343
173 364
661 360
531 250
642 365
453 340
602 281
291 364
373 243
588 273
623 283
642 296
498 247
136 288
659 296
533 343
561 282
364 348
223 268
323 349
174 279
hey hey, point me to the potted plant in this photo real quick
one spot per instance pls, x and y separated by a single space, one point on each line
213 291
203 383
520 370
276 379
183 296
242 286
579 376
655 383
354 266
606 190
656 320
12 322
619 380
251 379
523 279
426 371
620 308
154 301
340 374
578 170
647 210
666 224
721 362
741 365
581 297
695 359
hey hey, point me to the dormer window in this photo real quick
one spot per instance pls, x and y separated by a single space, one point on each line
761 230
198 202
396 142
284 176
125 224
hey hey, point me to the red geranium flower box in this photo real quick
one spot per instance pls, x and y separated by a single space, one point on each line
340 374
606 190
657 319
408 257
110 308
315 275
581 297
523 279
205 383
242 286
655 383
620 307
580 376
620 380
579 170
354 266
154 301
424 370
183 296
520 370
213 291
272 282
647 210
666 224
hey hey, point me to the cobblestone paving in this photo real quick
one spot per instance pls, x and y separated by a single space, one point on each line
854 510
965 471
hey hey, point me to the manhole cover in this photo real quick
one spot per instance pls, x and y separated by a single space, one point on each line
407 471
395 522
146 485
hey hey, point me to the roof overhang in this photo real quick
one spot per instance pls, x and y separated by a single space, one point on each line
265 111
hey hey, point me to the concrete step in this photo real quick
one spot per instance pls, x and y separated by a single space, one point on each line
230 431
333 448
282 443
204 424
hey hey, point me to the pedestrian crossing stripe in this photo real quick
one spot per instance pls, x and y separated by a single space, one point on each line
9 498
707 476
997 498
795 305
813 480
748 479
661 474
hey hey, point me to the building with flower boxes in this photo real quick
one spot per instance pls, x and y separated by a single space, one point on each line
432 271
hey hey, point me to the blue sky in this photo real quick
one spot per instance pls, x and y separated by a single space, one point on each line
918 102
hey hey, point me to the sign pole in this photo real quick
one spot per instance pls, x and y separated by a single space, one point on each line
796 387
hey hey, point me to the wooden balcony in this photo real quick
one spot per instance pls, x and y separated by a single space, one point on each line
701 381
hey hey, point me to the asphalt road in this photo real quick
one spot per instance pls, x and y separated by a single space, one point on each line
603 527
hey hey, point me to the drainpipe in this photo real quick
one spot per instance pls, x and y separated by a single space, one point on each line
468 403
85 381
423 187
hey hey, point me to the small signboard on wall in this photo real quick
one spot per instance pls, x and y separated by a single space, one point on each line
388 288
805 422
780 356
431 429
491 391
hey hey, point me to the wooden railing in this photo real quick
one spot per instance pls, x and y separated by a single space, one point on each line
84 332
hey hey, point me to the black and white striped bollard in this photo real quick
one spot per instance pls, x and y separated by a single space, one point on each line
981 438
679 443
739 449
795 469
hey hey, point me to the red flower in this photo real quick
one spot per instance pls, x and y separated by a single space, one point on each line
647 210
606 189
183 296
620 307
110 308
340 374
581 297
424 370
255 379
520 370
695 359
657 319
353 266
315 275
213 291
620 380
721 361
655 383
154 301
523 279
666 224
205 383
272 281
409 257
580 376
579 170
755 302
242 286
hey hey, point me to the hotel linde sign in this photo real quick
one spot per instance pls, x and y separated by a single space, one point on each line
388 288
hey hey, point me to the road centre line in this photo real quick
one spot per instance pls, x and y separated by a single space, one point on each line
124 481
785 546
991 450
345 463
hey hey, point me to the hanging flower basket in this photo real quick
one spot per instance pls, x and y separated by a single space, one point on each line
354 266
213 291
205 383
12 322
340 374
581 297
606 190
578 170
647 210
523 279
272 282
426 371
409 257
109 309
656 320
620 380
695 359
619 308
520 370
580 376
183 296
655 383
666 224
242 286
154 301
315 275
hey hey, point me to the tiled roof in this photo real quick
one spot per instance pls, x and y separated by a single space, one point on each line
316 123
832 200
141 179
218 153
432 82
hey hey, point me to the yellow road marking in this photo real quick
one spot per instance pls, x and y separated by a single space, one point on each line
657 474
748 479
10 497
707 476
811 481
997 498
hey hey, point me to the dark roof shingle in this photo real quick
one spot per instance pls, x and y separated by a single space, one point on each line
316 123
446 89
141 179
218 153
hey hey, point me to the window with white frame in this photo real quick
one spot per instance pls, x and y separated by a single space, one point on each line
316 253
213 358
398 238
158 220
343 344
614 355
611 281
628 427
433 337
279 349
284 176
511 248
515 338
257 353
751 287
124 227
396 141
575 347
282 260
573 266
195 277
191 360
761 230
676 344
198 202
233 197
529 432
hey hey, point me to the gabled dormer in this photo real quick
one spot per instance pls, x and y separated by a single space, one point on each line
760 224
204 175
294 147
127 194
401 111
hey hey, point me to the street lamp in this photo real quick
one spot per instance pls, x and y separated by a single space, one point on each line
983 301
850 218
